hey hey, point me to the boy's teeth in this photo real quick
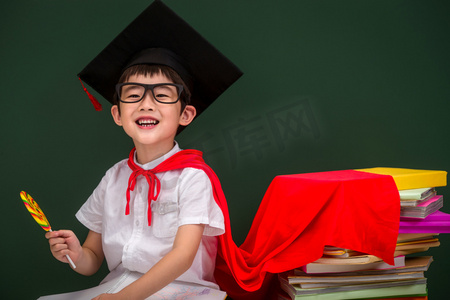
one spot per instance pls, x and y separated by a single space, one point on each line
147 122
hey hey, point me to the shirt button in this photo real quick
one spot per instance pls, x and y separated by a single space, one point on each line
137 223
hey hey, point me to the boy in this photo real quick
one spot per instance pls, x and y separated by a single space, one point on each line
145 216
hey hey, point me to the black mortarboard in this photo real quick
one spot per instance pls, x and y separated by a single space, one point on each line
159 36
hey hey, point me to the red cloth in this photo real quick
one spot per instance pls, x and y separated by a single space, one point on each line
298 216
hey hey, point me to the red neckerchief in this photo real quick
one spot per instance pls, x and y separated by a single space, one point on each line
180 160
296 218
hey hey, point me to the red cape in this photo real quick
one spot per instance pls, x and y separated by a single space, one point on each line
298 216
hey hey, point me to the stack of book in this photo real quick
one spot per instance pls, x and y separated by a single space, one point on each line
359 277
347 274
419 203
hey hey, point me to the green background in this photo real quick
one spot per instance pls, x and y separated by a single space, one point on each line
327 85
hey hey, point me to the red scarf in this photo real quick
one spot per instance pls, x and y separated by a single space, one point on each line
298 215
180 160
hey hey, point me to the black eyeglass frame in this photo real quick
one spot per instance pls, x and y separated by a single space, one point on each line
150 87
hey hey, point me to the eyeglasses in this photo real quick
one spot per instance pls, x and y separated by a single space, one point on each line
167 93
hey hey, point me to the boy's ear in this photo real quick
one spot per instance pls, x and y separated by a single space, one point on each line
116 115
187 115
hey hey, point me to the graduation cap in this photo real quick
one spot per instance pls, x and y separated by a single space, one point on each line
159 36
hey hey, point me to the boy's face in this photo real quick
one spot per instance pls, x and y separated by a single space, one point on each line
151 123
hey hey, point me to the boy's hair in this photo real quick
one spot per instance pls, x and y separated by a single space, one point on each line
150 70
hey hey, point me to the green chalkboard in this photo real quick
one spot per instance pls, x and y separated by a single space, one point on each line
327 85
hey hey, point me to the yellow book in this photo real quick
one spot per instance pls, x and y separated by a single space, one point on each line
406 179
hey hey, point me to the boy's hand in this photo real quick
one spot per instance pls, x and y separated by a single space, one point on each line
62 243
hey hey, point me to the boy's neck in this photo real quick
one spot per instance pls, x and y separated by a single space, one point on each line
146 154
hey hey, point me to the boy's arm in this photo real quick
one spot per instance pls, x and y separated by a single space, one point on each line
88 258
92 255
169 268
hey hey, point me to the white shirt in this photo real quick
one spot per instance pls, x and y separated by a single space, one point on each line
129 243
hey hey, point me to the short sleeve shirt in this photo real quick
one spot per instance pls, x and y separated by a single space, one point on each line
128 241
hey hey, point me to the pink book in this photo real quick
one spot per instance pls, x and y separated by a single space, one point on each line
423 209
437 222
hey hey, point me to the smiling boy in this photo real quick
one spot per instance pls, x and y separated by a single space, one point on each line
152 214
